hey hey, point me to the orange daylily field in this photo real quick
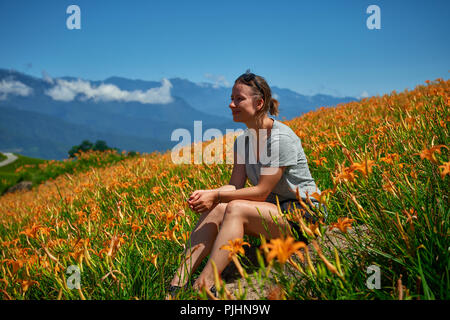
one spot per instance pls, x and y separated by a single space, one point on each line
382 163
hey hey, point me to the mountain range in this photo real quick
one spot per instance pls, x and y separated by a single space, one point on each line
44 117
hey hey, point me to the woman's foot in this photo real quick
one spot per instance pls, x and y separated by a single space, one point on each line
172 291
211 293
200 285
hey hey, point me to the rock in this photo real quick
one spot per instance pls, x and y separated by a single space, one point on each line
23 185
230 275
330 240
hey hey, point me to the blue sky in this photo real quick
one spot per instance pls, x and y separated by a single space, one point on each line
307 46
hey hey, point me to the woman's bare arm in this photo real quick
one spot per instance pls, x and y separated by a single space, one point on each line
256 193
237 181
202 201
238 176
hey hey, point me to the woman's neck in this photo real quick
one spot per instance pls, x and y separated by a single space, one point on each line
266 123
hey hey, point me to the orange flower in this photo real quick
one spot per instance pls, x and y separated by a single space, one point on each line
26 284
365 167
115 244
445 169
185 236
345 175
135 227
156 190
31 232
16 264
343 224
328 264
322 197
320 161
282 248
5 282
235 246
181 184
81 217
172 236
153 258
390 158
168 216
389 186
411 214
163 174
429 154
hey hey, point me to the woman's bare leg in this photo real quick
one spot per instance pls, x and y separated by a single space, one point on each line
200 243
241 217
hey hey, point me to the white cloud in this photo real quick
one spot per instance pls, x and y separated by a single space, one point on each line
67 90
275 96
46 77
364 94
219 80
204 84
323 89
13 87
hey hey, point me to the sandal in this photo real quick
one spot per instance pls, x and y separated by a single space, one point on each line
213 290
173 290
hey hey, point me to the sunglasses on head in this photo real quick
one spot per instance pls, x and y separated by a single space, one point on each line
248 76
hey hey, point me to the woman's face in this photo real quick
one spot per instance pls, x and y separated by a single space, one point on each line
244 104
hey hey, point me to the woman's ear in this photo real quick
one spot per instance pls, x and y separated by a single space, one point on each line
260 104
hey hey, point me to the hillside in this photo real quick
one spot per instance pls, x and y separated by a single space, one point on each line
24 172
383 167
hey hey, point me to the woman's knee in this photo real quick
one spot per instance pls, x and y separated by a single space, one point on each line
235 209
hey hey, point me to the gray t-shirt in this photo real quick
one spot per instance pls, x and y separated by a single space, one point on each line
283 148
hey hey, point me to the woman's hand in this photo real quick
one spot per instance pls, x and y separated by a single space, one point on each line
203 200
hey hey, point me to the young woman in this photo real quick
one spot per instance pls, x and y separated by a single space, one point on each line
231 211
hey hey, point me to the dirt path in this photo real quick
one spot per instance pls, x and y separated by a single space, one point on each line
11 158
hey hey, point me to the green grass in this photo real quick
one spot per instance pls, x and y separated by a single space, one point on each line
2 157
9 177
39 170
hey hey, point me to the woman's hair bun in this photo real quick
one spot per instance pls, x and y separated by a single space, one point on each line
273 107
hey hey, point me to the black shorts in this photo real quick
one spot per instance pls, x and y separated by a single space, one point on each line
288 206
